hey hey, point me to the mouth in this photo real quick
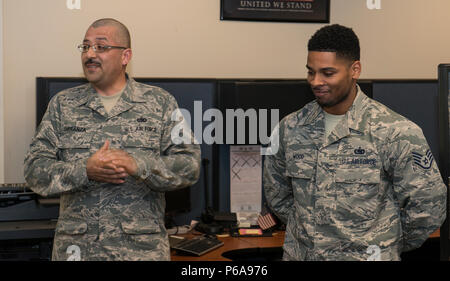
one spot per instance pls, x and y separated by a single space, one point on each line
92 65
321 92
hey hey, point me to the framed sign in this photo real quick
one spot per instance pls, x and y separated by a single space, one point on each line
276 10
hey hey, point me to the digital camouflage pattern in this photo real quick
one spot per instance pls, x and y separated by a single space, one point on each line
370 191
101 221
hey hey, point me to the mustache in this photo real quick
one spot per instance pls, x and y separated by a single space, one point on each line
320 88
91 61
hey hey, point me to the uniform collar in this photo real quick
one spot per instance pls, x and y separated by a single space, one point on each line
356 111
132 92
350 124
131 95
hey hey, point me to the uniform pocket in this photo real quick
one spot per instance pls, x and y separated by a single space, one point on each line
144 226
301 162
358 175
143 234
75 146
302 175
357 182
71 227
357 193
141 135
358 169
136 143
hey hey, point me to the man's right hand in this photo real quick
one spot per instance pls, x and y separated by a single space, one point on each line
99 170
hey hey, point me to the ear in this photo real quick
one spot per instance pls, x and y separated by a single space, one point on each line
356 69
127 54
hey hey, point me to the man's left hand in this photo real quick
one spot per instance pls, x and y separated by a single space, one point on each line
122 159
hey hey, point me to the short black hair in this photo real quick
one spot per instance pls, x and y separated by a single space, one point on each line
336 38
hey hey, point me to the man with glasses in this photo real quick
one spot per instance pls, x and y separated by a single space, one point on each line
352 179
105 147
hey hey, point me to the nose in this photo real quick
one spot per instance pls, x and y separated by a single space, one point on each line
90 53
315 80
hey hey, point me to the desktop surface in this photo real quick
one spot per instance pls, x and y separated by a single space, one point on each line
248 249
248 245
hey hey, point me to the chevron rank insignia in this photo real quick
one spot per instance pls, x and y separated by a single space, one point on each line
423 161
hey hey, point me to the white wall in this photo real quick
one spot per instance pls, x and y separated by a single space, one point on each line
185 38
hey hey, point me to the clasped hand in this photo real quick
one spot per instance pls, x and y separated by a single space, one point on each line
110 165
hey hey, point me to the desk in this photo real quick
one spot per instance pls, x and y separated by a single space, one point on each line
34 229
436 234
233 243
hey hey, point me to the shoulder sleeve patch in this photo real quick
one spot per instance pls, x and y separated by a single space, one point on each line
423 161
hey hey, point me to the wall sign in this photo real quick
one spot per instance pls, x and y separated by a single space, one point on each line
276 10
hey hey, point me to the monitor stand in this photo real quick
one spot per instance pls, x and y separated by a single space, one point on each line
207 224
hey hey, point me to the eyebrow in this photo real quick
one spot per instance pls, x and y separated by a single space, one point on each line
322 69
96 39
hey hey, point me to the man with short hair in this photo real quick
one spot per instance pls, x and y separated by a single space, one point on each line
352 179
105 147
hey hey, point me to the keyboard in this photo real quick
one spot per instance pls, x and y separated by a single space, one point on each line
223 216
197 246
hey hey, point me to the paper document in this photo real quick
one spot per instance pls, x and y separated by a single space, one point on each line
245 178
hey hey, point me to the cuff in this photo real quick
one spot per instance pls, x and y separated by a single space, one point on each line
144 167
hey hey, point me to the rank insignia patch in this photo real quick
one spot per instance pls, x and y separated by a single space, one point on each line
423 161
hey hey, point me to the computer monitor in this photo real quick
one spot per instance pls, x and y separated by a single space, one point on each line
444 148
444 106
285 95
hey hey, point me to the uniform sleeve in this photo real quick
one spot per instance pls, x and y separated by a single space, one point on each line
43 171
277 186
178 164
418 186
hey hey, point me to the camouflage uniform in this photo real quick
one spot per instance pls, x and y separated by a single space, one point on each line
371 190
101 221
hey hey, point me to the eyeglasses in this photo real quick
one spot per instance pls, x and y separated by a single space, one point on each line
84 48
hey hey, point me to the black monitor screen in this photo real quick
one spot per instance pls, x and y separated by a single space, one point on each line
444 146
284 96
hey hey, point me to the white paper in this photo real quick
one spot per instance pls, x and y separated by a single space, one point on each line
245 178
